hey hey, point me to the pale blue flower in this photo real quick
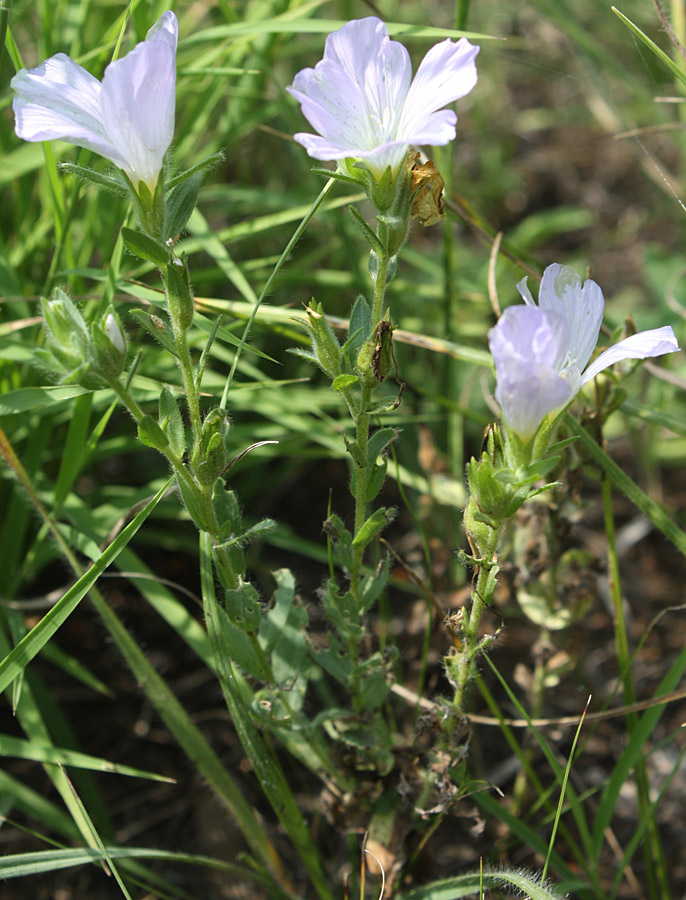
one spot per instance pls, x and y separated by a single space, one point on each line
128 118
363 102
542 352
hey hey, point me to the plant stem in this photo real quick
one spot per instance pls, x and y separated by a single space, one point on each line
177 464
381 278
185 364
481 597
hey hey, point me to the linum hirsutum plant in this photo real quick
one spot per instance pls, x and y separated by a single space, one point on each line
368 113
541 355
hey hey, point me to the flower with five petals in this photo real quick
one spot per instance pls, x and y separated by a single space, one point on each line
128 117
542 351
363 103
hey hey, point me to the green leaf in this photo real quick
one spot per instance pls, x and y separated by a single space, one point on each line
243 608
673 67
334 660
341 611
18 865
91 175
358 329
158 327
282 633
21 749
376 476
145 247
151 434
25 399
642 501
374 524
17 660
378 443
268 771
201 168
369 234
373 585
343 382
180 204
466 885
171 422
264 526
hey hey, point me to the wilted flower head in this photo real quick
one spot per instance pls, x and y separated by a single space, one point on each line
541 352
363 102
128 118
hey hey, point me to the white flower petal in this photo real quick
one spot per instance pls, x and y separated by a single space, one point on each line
334 105
523 288
643 345
582 305
446 73
166 29
60 100
379 66
138 97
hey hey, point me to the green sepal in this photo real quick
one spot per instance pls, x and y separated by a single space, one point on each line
179 205
158 327
171 421
109 182
359 328
374 525
151 434
179 295
145 247
530 474
243 607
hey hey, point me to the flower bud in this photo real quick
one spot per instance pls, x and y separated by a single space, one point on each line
108 346
75 353
115 334
324 342
209 460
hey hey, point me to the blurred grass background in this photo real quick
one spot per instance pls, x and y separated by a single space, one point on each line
571 146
